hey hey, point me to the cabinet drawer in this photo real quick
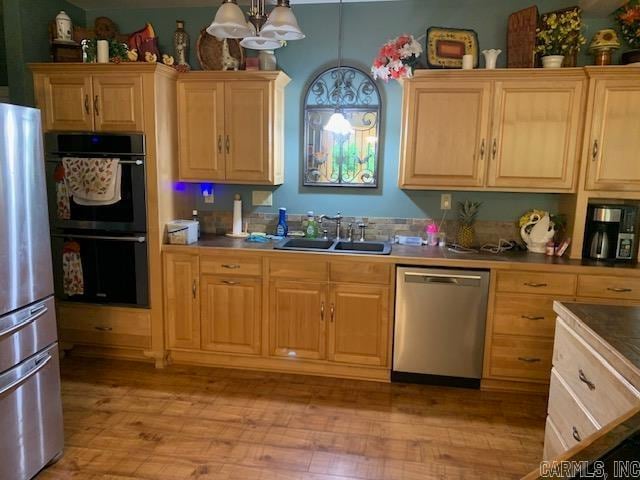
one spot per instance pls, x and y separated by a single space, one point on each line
603 392
621 288
520 314
536 282
231 265
572 421
553 444
521 358
298 269
110 326
360 272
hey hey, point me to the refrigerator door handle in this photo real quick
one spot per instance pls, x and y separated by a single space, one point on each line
34 314
38 364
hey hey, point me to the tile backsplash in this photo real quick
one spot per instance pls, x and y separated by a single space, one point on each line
379 228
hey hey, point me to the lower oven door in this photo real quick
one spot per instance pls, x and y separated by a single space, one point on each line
30 415
114 268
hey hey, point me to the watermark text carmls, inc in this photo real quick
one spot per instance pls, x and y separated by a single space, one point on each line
622 469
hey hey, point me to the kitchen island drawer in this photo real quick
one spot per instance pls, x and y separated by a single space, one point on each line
569 417
603 391
231 265
619 288
521 314
110 326
537 283
521 358
553 443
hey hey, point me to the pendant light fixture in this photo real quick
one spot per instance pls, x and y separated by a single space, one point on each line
260 32
337 123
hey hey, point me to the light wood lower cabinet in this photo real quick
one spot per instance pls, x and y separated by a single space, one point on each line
358 324
182 300
297 314
231 314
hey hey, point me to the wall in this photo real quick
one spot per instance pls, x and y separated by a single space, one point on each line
26 34
366 27
3 51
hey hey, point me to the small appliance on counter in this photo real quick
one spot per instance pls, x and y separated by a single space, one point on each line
610 233
182 232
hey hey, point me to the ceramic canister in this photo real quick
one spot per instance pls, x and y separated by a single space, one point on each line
64 27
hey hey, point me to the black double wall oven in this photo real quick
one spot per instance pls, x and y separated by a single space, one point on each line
112 238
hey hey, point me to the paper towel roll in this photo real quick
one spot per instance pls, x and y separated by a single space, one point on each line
237 215
103 51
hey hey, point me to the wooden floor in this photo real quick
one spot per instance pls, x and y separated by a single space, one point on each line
126 420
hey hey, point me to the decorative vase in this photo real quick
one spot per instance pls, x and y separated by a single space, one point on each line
552 61
181 44
267 60
491 57
630 57
537 232
570 60
64 27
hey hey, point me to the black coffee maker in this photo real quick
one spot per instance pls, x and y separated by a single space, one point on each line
610 233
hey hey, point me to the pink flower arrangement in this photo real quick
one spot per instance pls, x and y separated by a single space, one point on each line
397 58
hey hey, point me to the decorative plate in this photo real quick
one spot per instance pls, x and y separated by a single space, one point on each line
521 38
209 50
446 46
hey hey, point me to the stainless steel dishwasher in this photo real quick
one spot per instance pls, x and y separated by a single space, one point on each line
440 325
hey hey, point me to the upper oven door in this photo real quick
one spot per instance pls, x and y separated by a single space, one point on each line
128 214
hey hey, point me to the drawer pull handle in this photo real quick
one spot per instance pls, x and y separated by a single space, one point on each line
535 285
194 289
576 434
86 104
594 152
333 312
230 282
219 143
104 329
532 317
619 289
96 105
482 150
231 266
583 378
495 149
228 145
322 311
530 359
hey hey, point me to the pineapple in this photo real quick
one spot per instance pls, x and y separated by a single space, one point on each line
467 212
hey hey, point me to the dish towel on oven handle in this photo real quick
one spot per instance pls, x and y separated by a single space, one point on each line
93 181
73 278
63 206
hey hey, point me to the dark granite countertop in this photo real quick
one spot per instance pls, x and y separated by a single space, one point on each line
425 255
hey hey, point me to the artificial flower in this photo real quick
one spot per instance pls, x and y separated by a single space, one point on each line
397 58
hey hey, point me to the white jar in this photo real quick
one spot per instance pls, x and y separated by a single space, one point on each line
103 51
552 61
267 60
64 27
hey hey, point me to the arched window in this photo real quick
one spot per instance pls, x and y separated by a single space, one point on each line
349 158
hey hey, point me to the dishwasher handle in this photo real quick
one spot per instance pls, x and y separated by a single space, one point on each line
448 279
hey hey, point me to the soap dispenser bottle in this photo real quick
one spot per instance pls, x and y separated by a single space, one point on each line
311 227
282 228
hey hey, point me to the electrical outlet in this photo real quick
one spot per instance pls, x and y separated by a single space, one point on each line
208 198
261 198
445 201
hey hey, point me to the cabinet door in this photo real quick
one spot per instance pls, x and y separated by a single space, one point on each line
445 127
359 324
536 127
182 301
297 319
247 131
117 103
231 314
612 155
66 102
201 130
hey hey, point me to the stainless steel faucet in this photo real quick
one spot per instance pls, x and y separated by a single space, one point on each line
337 218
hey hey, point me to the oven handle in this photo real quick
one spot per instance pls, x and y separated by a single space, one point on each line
123 162
140 239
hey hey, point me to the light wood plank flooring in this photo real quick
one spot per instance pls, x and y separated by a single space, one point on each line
127 420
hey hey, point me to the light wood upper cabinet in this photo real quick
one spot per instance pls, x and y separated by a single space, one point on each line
611 151
182 300
117 103
201 153
445 125
359 324
87 100
231 127
496 129
231 314
66 101
535 138
297 313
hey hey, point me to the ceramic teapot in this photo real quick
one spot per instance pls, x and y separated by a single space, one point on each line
537 232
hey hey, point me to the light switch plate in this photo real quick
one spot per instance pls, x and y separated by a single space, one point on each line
261 198
445 201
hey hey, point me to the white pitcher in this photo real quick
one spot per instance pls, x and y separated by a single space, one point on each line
541 232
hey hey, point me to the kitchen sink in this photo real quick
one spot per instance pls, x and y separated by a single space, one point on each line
334 246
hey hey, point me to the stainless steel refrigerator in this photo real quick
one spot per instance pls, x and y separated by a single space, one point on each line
31 432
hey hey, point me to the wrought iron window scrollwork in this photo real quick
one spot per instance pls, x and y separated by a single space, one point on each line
334 159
